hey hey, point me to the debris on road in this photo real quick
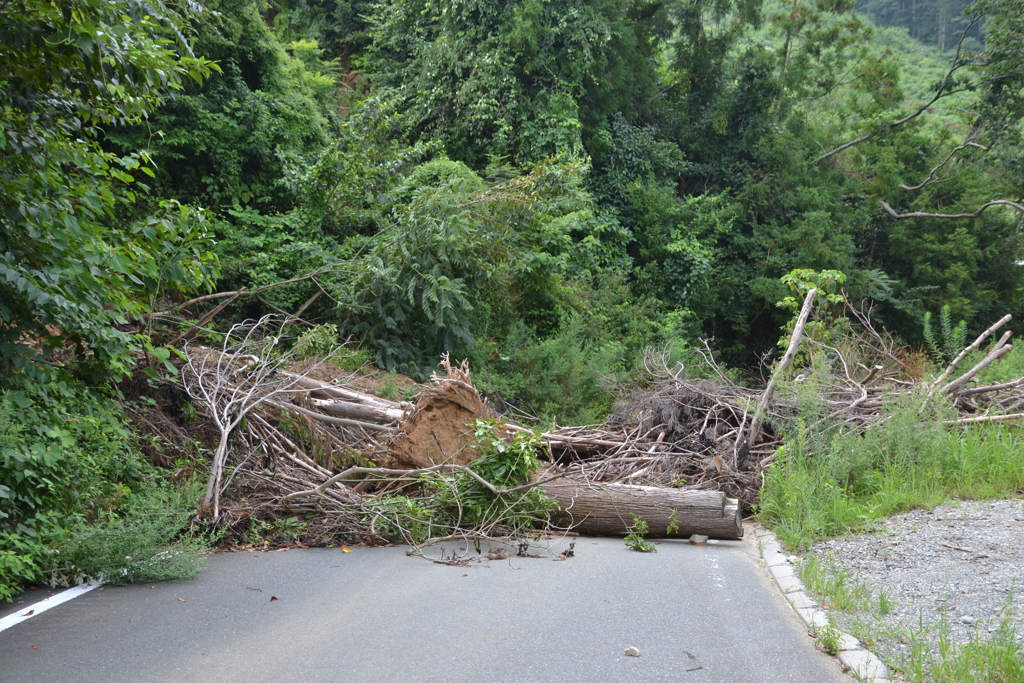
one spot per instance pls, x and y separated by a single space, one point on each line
684 451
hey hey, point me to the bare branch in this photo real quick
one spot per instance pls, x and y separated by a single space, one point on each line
330 268
931 174
744 442
232 381
940 93
974 214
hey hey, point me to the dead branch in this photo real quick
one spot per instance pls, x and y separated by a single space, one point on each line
330 268
1000 349
985 418
940 93
745 440
931 174
974 214
233 381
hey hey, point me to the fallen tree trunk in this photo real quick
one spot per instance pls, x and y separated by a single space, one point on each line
359 411
608 509
319 389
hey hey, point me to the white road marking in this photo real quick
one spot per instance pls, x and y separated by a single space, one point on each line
26 613
717 577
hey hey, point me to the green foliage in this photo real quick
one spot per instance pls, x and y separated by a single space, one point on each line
147 540
65 454
803 280
523 80
281 530
558 378
833 586
998 658
634 539
505 464
459 503
72 480
825 324
830 479
347 190
461 258
229 140
19 557
340 26
830 637
938 23
74 262
321 340
953 338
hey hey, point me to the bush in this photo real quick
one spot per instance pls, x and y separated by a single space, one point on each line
78 499
557 378
833 480
147 540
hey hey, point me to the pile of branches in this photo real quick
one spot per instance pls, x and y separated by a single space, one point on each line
301 438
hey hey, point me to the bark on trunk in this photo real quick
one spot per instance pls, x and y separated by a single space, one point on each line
608 509
323 390
357 411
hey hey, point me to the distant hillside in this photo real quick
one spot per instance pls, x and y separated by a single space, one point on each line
922 64
935 23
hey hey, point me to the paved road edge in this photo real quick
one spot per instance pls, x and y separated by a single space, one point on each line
860 662
28 611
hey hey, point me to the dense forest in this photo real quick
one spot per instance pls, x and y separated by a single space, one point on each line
545 188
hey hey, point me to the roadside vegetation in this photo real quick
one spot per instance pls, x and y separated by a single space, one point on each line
924 654
547 189
832 482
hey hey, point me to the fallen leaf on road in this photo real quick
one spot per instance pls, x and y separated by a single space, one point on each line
272 598
181 599
34 647
346 550
465 574
29 613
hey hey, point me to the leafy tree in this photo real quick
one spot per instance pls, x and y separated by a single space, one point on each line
340 26
74 261
937 22
462 259
229 140
523 80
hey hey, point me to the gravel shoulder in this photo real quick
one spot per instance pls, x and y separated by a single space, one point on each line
961 563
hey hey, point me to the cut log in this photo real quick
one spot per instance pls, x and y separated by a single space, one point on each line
359 411
322 390
608 509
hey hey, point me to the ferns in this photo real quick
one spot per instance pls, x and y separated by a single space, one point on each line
953 338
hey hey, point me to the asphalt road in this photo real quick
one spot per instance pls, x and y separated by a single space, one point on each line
697 613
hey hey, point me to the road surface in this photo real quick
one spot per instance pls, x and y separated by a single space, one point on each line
698 614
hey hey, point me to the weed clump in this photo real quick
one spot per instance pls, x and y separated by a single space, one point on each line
635 538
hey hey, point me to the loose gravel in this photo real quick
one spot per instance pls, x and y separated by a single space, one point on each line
960 562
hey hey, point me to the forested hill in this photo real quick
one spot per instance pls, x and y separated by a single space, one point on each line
547 188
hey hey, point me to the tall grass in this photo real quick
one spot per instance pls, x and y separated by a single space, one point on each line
832 479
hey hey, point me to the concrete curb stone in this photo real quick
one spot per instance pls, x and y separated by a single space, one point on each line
861 663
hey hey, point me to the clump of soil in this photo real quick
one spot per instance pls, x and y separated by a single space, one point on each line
439 429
